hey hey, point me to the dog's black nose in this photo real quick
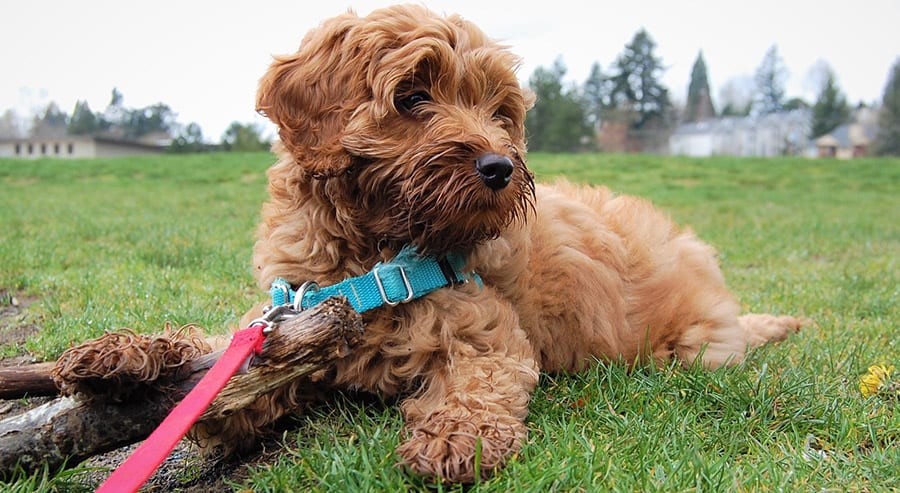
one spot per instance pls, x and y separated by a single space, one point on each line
495 170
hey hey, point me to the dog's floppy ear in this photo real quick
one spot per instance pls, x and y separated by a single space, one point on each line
310 95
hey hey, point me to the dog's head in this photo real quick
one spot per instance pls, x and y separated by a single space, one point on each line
415 120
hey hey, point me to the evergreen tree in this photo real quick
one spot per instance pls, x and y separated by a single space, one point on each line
830 109
888 140
770 79
638 93
557 122
596 95
115 116
83 121
699 102
54 116
52 123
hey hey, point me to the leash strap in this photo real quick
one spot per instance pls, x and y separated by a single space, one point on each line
137 469
407 277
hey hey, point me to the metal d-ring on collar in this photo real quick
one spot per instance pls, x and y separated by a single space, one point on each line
308 286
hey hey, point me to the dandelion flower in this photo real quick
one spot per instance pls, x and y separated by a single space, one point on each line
871 383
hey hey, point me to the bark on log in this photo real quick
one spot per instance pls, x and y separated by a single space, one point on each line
27 380
69 430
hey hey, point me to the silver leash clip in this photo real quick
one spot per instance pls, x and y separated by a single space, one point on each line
272 316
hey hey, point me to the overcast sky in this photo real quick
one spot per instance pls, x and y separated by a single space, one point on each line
204 58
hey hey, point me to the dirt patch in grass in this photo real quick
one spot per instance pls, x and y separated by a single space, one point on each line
14 329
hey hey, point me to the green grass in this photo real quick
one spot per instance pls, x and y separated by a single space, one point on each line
137 242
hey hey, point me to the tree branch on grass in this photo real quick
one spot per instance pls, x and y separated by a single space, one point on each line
71 429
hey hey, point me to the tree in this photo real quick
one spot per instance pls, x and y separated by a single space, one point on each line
557 122
736 96
243 138
547 87
637 92
157 118
52 123
134 124
596 95
189 139
830 109
11 125
795 104
887 141
699 101
770 78
815 77
83 121
115 115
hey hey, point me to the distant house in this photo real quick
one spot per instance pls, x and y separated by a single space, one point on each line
74 146
845 142
775 134
850 140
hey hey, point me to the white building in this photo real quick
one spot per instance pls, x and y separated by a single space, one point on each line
73 147
775 134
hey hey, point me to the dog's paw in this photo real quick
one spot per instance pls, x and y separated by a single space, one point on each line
762 328
452 445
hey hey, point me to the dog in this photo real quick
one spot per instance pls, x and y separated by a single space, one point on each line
406 128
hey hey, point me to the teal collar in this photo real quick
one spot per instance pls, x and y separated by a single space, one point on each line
407 277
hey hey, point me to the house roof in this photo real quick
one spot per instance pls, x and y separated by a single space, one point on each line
847 135
828 140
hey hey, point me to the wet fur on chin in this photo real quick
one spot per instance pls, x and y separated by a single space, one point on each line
381 120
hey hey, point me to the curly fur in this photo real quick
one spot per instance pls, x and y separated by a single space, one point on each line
121 366
571 273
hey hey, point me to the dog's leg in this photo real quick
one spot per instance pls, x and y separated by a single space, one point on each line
761 328
474 405
720 343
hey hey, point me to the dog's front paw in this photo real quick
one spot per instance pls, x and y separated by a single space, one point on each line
452 445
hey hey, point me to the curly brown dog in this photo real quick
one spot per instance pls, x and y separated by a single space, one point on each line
405 127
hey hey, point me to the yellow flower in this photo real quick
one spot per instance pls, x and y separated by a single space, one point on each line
871 383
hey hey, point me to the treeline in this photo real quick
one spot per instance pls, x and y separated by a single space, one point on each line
155 124
628 108
624 108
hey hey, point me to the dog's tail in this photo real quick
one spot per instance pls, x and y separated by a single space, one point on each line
762 328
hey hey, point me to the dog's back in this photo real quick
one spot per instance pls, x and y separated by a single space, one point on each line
604 275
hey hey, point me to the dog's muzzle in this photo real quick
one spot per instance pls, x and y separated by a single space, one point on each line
495 170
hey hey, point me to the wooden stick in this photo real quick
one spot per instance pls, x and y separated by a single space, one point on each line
69 430
26 380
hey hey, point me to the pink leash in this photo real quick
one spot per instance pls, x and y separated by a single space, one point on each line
137 469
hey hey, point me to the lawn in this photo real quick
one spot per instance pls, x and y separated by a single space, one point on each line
105 244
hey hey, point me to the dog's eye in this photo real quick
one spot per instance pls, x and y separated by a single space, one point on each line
408 102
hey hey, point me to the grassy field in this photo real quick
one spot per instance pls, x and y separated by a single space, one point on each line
105 244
